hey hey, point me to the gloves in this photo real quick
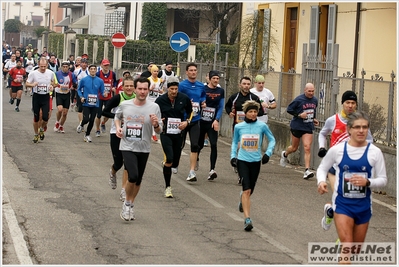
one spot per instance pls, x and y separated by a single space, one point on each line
233 162
322 152
265 159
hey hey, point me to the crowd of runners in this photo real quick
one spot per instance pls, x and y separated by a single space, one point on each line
158 104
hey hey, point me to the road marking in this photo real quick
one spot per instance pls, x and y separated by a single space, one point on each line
235 217
16 234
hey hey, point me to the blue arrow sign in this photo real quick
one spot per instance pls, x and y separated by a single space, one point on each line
179 41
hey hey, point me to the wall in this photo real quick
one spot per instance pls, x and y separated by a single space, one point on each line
281 132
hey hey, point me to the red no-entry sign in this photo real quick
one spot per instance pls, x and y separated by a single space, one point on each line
118 40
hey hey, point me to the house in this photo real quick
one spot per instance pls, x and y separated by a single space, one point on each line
366 33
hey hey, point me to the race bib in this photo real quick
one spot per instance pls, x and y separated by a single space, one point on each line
173 126
351 191
309 115
250 142
42 89
19 77
92 99
107 87
196 108
207 114
240 116
134 131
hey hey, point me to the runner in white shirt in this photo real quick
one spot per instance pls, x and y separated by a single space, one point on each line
42 82
166 73
265 95
155 90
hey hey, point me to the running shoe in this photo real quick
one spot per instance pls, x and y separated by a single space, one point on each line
11 101
98 134
196 166
36 138
206 142
125 213
174 170
212 175
192 177
56 126
168 192
87 138
122 195
235 170
326 221
240 209
283 160
103 129
79 129
154 138
17 109
239 182
248 224
41 134
308 174
61 129
112 179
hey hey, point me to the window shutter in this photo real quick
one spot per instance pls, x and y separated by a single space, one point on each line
254 37
314 31
332 18
266 39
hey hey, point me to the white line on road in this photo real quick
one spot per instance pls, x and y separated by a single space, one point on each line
16 234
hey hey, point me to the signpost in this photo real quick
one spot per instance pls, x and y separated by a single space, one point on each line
118 40
179 42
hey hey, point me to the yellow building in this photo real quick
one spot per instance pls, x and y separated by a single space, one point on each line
321 25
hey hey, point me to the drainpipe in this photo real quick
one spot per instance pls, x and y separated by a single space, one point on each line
356 48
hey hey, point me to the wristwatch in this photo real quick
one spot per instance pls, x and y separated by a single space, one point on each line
188 122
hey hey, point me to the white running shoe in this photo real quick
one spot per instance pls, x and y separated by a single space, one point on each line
132 216
326 221
308 174
168 192
192 177
125 213
79 128
174 170
212 175
87 138
283 160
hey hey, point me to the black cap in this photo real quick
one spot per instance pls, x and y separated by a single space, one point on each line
213 73
349 95
168 63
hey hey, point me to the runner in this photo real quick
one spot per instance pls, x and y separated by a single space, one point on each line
42 82
234 109
139 117
29 64
110 83
80 73
303 108
155 90
89 89
109 112
173 105
210 117
166 74
360 167
336 127
66 79
17 75
266 97
248 161
196 92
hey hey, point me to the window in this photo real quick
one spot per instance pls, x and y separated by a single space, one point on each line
17 3
36 23
36 3
16 17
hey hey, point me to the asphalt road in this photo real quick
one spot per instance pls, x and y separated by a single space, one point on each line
58 206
